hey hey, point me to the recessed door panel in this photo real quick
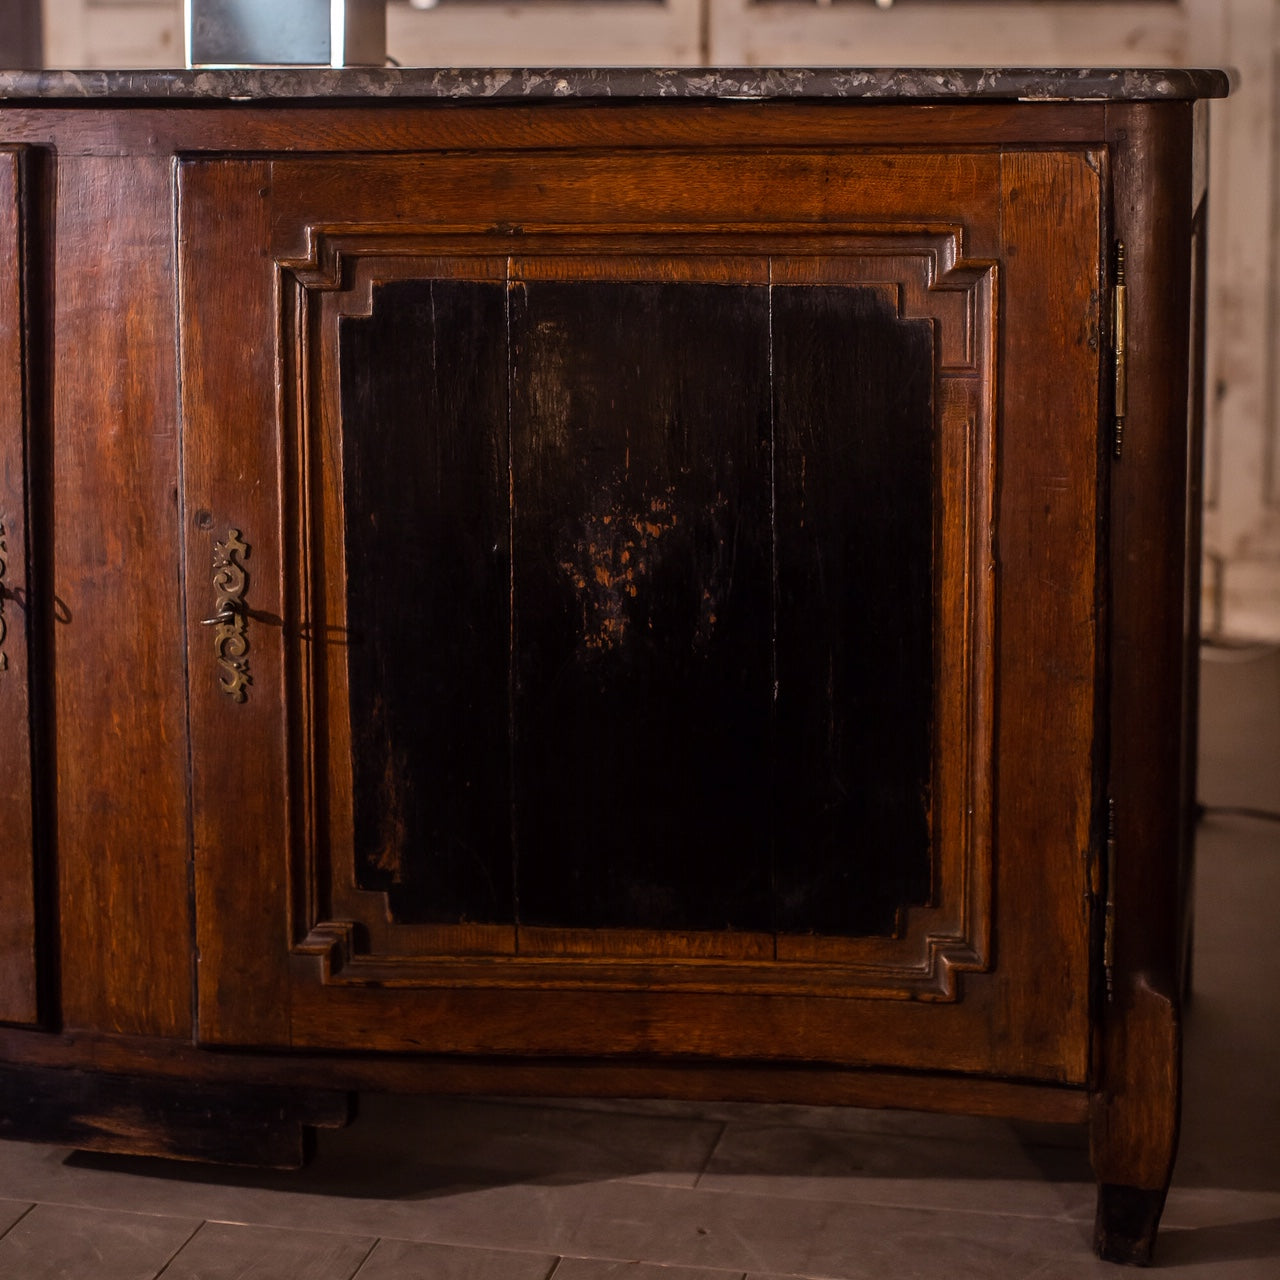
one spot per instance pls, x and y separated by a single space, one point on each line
719 499
628 675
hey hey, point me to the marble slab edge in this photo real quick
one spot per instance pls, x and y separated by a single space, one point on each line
897 84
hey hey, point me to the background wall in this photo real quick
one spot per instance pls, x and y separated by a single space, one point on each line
1242 518
20 44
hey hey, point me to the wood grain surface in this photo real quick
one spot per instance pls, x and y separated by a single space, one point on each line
457 379
19 631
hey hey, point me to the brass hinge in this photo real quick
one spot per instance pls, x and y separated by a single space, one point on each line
1109 909
1120 349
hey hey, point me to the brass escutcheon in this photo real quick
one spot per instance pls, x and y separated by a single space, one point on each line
230 639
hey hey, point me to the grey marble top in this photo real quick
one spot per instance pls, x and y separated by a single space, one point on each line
265 84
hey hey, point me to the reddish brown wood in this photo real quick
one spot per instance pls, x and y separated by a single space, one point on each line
1048 563
1154 623
436 220
145 1059
121 798
231 465
19 986
91 129
202 260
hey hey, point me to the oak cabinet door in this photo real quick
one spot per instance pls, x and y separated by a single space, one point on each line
651 601
18 942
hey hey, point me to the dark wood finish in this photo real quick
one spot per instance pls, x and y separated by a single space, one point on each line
214 334
19 977
424 379
640 428
555 1077
349 957
1126 1224
264 1126
854 547
88 128
1134 1129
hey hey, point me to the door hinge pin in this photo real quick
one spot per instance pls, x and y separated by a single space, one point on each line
1109 909
1120 343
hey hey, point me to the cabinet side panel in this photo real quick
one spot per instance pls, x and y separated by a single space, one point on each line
121 755
1047 575
1153 623
18 994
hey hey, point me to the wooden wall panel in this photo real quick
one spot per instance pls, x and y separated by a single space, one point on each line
18 987
121 757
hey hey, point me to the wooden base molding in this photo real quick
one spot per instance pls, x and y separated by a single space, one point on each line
261 1126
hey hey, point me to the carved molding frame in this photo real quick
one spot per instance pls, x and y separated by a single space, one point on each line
344 937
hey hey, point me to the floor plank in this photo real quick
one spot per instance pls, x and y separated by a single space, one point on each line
599 1269
228 1251
405 1260
10 1212
56 1242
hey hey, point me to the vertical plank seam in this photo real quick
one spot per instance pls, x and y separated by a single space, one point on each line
20 1218
183 586
368 1253
173 1257
711 1154
512 638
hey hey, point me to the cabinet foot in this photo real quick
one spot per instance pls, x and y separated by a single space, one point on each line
1125 1227
262 1126
1133 1123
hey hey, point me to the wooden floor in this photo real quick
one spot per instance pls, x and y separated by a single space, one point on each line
491 1189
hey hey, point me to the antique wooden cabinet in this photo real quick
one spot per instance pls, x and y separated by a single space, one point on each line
623 583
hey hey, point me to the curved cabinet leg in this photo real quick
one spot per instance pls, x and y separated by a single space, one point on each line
1133 1128
1125 1227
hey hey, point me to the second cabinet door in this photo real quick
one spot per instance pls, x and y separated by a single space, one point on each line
600 551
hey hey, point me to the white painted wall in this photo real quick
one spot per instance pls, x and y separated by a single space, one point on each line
1242 513
1242 516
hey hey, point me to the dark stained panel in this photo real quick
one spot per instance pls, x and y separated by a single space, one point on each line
424 413
640 439
853 397
718 614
